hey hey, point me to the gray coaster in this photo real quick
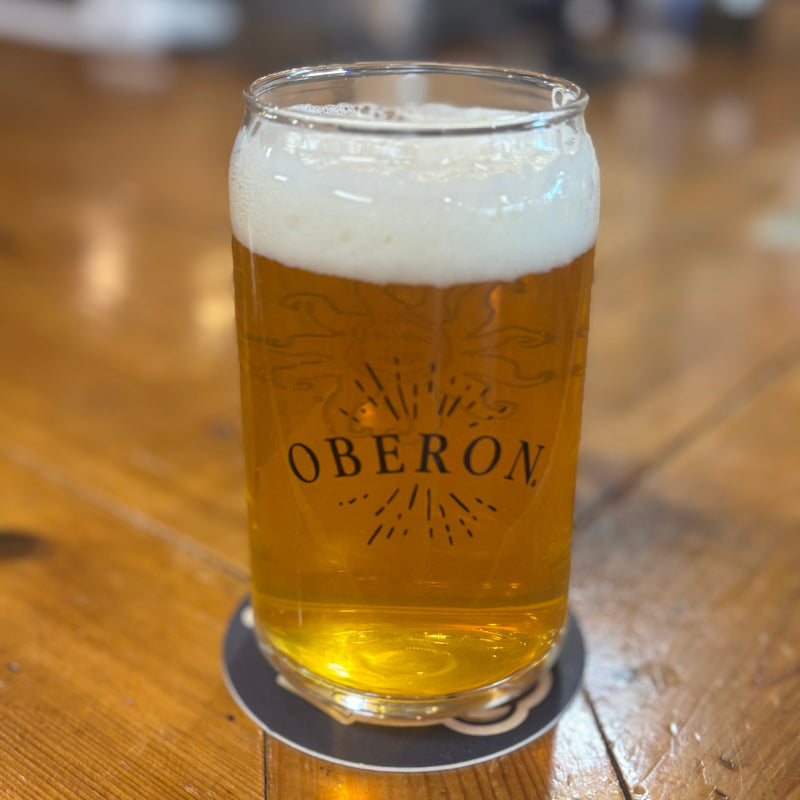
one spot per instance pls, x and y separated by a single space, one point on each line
456 742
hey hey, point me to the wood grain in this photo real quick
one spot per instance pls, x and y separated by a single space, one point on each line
116 265
689 300
704 663
569 762
110 683
122 526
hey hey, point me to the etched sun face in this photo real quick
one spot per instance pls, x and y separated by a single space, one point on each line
407 341
418 394
379 342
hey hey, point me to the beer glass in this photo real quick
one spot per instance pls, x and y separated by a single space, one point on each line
413 249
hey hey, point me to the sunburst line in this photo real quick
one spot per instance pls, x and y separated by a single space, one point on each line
353 500
349 415
377 531
488 505
459 502
413 496
391 407
400 393
454 406
374 376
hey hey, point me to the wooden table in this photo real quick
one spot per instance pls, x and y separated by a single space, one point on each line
123 545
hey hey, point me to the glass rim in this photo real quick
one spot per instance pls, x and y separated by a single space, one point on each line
569 100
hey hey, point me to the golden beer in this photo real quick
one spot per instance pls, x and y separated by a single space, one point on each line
411 416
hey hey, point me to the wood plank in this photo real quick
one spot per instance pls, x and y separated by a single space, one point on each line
689 590
671 353
82 383
115 263
568 763
123 390
689 300
110 682
86 685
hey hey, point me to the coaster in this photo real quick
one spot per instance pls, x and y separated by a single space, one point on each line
455 742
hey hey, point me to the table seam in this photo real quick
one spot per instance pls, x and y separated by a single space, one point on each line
733 400
137 519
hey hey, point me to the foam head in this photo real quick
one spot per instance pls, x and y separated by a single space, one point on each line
397 207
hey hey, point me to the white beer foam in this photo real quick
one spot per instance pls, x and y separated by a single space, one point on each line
436 209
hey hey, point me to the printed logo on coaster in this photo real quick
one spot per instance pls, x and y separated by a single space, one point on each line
268 699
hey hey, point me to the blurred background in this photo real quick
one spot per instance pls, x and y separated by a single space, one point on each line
581 39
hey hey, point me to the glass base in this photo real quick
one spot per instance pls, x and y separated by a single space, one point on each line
347 705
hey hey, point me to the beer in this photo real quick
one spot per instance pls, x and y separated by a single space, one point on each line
412 317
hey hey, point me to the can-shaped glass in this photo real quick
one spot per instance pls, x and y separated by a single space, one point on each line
413 251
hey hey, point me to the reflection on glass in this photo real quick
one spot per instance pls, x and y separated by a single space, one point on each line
105 265
212 306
